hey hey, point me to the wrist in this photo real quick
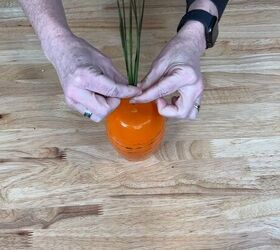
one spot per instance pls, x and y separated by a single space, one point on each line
193 32
53 41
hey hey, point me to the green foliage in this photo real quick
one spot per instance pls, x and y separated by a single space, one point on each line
131 19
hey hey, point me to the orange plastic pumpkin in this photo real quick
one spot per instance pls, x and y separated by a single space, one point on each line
135 130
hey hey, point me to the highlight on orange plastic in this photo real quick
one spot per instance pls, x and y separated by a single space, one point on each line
135 130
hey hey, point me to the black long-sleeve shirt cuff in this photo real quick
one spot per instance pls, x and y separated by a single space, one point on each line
221 5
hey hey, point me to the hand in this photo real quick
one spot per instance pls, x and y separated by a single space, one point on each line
88 78
177 68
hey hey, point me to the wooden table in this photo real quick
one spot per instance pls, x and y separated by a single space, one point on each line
214 184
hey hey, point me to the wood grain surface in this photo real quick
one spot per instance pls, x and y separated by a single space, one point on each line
215 182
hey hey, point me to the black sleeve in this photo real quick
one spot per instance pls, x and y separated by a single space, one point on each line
221 5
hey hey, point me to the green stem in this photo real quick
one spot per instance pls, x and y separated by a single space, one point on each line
123 36
131 45
131 50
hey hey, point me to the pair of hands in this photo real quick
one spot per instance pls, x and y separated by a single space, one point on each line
91 82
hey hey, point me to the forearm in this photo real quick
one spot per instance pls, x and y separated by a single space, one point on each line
47 18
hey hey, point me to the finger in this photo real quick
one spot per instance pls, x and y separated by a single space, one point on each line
101 100
105 86
183 106
82 109
186 103
110 102
89 100
113 102
194 113
164 103
152 77
166 86
165 109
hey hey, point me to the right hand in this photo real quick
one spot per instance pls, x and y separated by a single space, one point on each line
88 78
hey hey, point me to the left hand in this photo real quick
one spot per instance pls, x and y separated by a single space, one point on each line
177 68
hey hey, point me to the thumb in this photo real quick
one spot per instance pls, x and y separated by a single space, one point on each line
154 75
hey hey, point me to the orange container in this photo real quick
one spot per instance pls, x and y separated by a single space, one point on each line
135 130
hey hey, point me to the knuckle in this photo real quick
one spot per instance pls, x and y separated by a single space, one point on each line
79 81
79 77
158 70
156 67
154 64
163 92
92 70
160 62
82 74
70 93
190 74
